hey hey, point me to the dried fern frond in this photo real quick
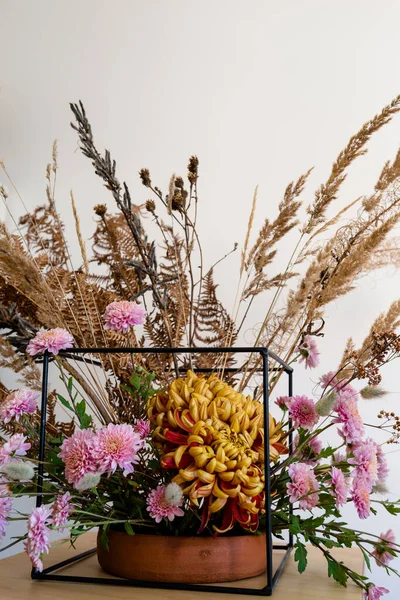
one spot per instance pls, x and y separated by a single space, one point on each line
44 235
214 327
113 247
20 273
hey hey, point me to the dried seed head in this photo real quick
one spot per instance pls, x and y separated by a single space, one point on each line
150 206
193 167
100 209
369 392
179 183
145 177
178 201
3 191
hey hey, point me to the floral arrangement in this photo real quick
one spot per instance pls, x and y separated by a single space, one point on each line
174 444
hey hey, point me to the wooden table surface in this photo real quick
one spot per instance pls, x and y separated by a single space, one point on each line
313 584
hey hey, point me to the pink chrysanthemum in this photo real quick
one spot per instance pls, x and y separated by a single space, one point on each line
310 450
375 592
61 509
117 446
282 402
309 352
383 468
338 457
303 486
381 555
159 506
340 486
4 457
316 444
38 535
365 461
21 402
348 415
142 427
77 452
5 509
16 446
302 412
121 316
52 340
361 498
328 380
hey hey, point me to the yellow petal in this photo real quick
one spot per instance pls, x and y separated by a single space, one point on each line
217 505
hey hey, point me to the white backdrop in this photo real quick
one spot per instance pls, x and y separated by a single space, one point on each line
259 90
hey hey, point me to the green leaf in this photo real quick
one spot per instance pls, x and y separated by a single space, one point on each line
65 402
326 452
294 526
337 571
128 528
128 389
346 538
80 408
366 558
300 556
391 508
70 382
312 522
85 421
104 537
135 381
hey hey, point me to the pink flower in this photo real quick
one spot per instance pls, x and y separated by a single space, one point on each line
38 535
5 509
142 427
21 402
117 446
361 497
120 316
52 340
310 450
4 457
338 457
309 352
302 411
159 507
282 402
381 555
304 485
383 468
340 486
365 459
16 446
348 415
328 380
331 380
77 452
375 593
61 509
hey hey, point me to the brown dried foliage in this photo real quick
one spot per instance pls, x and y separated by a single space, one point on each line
39 286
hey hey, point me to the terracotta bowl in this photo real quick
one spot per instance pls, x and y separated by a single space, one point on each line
182 559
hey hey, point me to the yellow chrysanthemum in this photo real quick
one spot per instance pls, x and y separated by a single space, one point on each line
214 437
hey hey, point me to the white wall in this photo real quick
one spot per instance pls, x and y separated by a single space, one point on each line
260 90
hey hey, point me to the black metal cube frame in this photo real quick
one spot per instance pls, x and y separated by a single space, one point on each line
272 578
